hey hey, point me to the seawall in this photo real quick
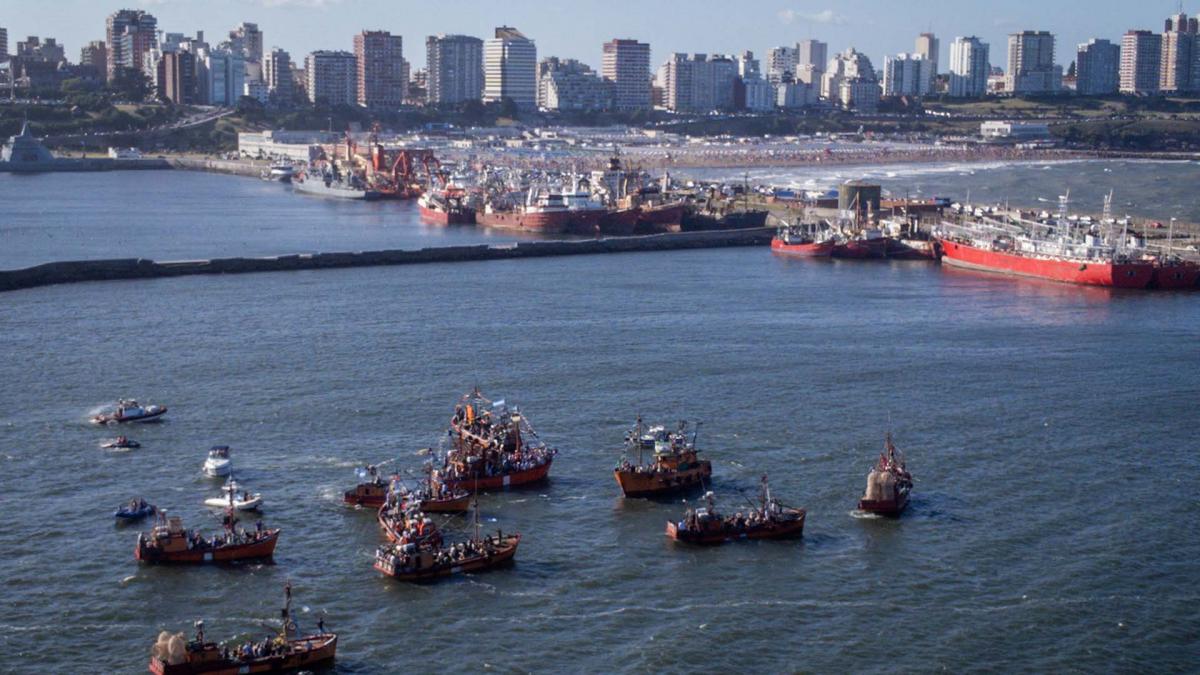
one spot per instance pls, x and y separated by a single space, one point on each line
140 268
70 164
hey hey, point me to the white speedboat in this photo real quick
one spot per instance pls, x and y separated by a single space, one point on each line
128 410
281 172
218 462
233 496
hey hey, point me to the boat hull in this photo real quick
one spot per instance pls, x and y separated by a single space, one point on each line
862 249
252 504
885 507
322 190
542 222
1176 277
619 222
1112 275
644 485
822 249
154 416
366 494
218 470
660 218
463 216
786 530
306 653
509 480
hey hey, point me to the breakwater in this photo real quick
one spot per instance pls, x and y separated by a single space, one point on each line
141 268
70 164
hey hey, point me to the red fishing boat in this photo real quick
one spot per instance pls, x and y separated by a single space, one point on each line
803 241
675 467
661 217
447 205
865 245
289 651
767 520
372 493
410 563
618 222
546 210
493 447
169 542
888 484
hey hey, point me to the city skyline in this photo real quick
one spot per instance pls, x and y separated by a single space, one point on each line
874 27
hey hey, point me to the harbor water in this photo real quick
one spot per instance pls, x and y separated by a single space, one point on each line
1051 430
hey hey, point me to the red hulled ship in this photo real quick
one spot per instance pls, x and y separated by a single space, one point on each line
768 520
675 467
169 542
448 205
492 447
804 241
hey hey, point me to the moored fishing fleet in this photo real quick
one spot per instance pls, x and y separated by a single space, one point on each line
488 445
1106 251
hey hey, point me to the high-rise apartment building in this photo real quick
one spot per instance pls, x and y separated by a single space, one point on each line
969 67
567 84
907 75
698 82
224 77
1031 67
46 50
848 65
454 69
782 63
277 75
177 77
510 68
1141 62
811 58
626 64
382 81
1179 53
95 55
129 33
3 44
1097 68
247 40
331 77
929 48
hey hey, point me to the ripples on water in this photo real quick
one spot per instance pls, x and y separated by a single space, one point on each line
1051 430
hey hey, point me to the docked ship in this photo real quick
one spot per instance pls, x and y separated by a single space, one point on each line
492 447
169 542
769 519
1173 274
329 182
805 240
546 209
291 651
1055 249
446 205
888 483
675 466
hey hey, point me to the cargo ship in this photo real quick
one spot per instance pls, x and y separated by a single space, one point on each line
1054 249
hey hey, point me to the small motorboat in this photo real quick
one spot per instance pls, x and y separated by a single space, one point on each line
218 462
134 511
121 443
128 411
235 498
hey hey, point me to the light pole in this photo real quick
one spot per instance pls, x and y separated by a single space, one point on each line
1171 237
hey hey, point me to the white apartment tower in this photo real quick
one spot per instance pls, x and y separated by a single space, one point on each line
331 77
969 67
1031 68
1141 60
510 68
454 69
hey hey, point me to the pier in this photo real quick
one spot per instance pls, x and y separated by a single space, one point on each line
141 268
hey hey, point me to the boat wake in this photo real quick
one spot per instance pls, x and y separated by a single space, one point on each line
125 582
863 515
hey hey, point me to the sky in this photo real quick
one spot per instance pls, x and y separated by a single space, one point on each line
577 28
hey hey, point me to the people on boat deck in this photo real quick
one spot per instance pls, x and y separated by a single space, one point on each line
407 557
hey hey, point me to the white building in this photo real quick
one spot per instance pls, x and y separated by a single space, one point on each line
792 95
698 82
510 68
1031 68
331 77
277 74
297 146
224 77
847 65
454 67
1014 131
907 75
1141 62
859 94
257 90
626 64
969 67
781 62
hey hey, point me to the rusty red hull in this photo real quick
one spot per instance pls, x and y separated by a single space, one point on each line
786 530
306 653
508 480
1136 274
263 549
822 249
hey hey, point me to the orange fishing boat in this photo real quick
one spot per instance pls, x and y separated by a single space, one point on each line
493 447
289 651
409 563
169 542
675 467
369 494
768 520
